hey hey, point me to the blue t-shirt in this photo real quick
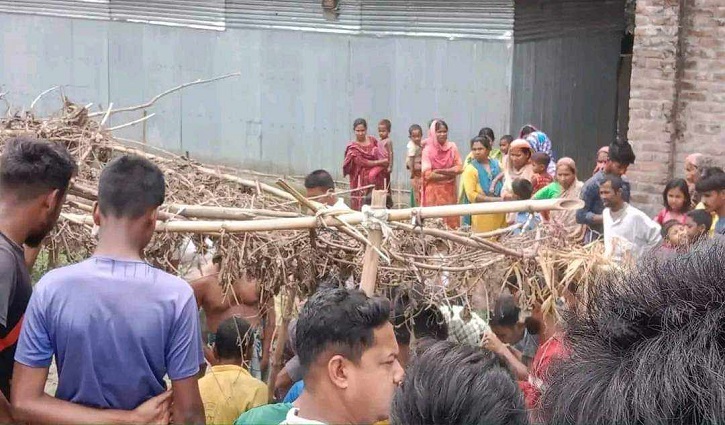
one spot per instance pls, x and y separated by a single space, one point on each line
115 327
294 392
529 221
720 226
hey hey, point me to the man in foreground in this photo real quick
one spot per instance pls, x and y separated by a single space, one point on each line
628 232
320 186
649 347
115 324
348 352
34 179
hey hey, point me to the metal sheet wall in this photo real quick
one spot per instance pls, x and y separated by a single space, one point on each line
539 19
88 9
207 14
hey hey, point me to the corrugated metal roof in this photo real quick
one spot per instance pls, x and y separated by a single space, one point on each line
208 14
454 18
536 19
89 9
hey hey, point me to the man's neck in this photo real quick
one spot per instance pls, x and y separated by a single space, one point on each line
230 362
618 208
13 224
320 407
115 242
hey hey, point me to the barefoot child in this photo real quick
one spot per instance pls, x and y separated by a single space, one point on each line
542 178
413 162
676 198
386 145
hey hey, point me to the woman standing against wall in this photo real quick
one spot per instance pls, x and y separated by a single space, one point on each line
363 163
441 164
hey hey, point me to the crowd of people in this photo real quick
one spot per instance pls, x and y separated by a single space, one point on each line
641 346
526 168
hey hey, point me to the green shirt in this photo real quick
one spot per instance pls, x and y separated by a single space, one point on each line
551 191
270 414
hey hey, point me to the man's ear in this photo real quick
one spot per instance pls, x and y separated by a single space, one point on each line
338 369
96 214
53 199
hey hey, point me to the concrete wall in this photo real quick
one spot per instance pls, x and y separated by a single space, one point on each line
292 109
677 104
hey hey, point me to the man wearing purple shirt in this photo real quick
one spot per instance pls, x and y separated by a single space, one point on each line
115 325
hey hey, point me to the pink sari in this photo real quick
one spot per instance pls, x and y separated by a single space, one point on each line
436 157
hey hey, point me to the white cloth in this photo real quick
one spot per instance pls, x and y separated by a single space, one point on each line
293 418
629 233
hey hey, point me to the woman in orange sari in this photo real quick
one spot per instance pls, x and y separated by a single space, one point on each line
441 165
364 164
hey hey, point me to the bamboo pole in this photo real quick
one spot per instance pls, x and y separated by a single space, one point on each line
353 218
371 258
223 213
288 301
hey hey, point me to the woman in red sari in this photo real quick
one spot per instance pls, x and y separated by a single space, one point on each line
364 164
441 165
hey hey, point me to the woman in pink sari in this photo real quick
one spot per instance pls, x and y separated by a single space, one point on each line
441 164
364 163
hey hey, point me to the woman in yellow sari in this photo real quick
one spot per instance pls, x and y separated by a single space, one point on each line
476 181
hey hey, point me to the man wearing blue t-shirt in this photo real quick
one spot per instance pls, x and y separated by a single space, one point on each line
115 325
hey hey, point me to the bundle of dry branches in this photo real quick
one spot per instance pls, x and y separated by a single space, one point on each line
438 265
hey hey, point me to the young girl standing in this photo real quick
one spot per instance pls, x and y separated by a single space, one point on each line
676 198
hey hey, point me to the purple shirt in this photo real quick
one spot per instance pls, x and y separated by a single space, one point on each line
116 328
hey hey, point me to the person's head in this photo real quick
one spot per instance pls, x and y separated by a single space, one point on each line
674 232
130 190
319 183
360 126
233 341
610 191
346 346
416 134
441 130
519 153
487 132
505 321
692 174
621 156
711 188
384 127
540 161
602 156
481 148
649 346
458 384
566 172
504 143
526 130
698 224
522 189
34 179
676 196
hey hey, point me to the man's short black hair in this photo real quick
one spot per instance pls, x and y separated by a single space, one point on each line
321 179
129 186
341 320
522 188
620 151
701 218
506 312
233 338
30 167
648 347
616 181
713 180
457 384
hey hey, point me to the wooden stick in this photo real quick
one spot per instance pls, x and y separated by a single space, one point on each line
32 104
167 92
134 122
371 258
223 213
467 241
354 218
342 192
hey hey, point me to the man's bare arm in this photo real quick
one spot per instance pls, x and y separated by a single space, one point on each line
31 404
188 407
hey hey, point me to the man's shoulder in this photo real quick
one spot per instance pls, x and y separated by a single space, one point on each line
8 259
174 283
271 414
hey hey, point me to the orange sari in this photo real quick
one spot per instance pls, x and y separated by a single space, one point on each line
443 192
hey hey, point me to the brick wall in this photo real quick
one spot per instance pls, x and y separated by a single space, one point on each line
677 103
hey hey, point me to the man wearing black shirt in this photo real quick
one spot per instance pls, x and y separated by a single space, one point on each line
34 178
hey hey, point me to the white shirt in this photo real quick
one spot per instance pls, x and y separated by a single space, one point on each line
293 418
629 233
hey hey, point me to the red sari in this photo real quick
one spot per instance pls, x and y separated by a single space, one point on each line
552 349
442 192
357 166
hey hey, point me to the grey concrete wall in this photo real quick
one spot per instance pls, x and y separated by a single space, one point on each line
293 107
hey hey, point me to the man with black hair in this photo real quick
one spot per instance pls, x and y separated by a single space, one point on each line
648 349
621 156
348 352
458 384
34 179
320 185
229 390
115 325
712 192
628 232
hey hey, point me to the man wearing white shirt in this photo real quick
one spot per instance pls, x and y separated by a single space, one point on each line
320 185
628 232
